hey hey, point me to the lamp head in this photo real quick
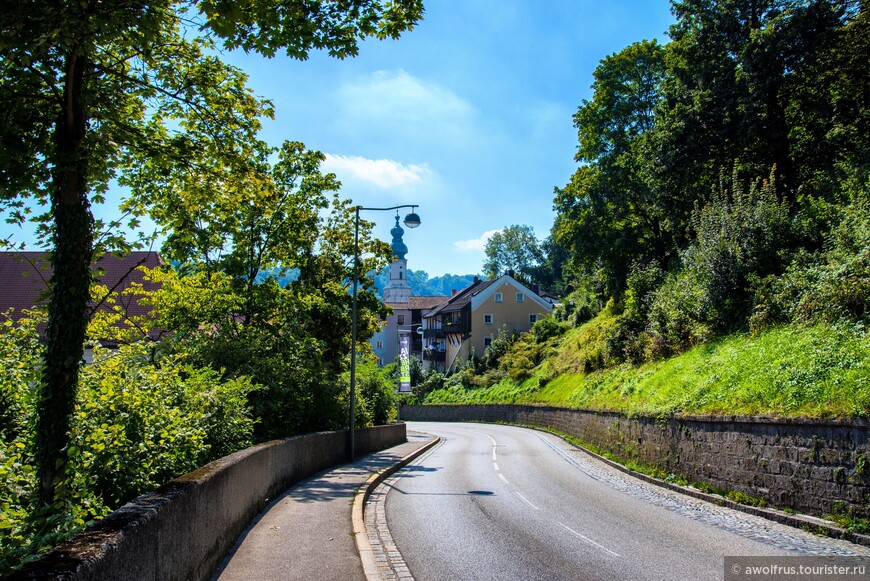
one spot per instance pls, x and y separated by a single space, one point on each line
412 220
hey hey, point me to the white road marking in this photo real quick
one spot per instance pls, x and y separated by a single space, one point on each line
526 500
495 465
503 479
588 540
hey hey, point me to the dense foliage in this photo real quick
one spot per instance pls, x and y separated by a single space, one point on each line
724 176
140 419
226 305
94 92
721 207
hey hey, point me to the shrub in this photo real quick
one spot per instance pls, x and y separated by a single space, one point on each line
376 392
827 286
546 328
138 424
589 347
140 419
579 306
434 380
743 235
20 358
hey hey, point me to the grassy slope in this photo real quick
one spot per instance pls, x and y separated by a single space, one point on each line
819 371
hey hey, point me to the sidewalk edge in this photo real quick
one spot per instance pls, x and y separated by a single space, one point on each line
364 547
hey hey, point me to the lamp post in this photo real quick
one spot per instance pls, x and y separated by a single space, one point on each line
412 220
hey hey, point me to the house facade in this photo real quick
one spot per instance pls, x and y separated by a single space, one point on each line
471 319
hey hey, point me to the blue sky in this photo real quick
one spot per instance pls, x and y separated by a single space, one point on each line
469 115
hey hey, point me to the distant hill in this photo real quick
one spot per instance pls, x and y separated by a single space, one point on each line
423 286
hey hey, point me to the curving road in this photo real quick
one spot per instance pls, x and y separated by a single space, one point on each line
500 502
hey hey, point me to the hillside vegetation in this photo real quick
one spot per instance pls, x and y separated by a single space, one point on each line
792 371
713 244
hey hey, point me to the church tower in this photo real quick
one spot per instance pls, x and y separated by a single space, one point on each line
398 288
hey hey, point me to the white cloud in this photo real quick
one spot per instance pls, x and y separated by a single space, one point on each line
475 244
384 173
397 93
393 108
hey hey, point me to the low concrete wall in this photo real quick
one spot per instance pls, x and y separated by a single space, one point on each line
183 529
816 467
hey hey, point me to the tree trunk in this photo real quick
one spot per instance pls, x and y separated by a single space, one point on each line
70 282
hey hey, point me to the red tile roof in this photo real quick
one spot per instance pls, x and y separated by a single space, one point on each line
462 298
425 303
25 277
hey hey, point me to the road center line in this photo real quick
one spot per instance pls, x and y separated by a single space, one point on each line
588 540
526 500
495 465
503 479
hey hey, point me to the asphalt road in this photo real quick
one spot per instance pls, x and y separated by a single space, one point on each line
500 502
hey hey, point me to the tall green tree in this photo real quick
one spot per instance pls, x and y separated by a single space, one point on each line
612 211
514 248
89 90
761 82
228 306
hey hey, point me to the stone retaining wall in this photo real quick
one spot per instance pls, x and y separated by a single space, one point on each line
183 529
816 467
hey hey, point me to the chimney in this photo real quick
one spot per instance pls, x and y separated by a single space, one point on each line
453 292
536 288
476 280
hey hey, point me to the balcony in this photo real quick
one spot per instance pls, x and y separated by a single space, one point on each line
430 355
433 333
456 328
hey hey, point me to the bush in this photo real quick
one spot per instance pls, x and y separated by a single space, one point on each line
376 392
828 286
546 329
434 380
138 424
579 306
497 349
140 419
20 359
679 315
743 235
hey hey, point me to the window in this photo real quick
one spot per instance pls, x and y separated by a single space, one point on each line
401 320
380 344
499 297
487 319
520 297
533 319
487 342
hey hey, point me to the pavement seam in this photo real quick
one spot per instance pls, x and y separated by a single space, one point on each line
367 553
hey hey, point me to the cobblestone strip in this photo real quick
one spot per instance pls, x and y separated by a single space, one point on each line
391 565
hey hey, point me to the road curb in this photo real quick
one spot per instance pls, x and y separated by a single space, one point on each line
364 547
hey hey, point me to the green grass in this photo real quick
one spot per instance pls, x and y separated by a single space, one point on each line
793 371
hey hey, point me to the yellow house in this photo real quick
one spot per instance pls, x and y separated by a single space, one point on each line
472 318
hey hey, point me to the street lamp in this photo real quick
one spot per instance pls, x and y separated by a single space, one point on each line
412 220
